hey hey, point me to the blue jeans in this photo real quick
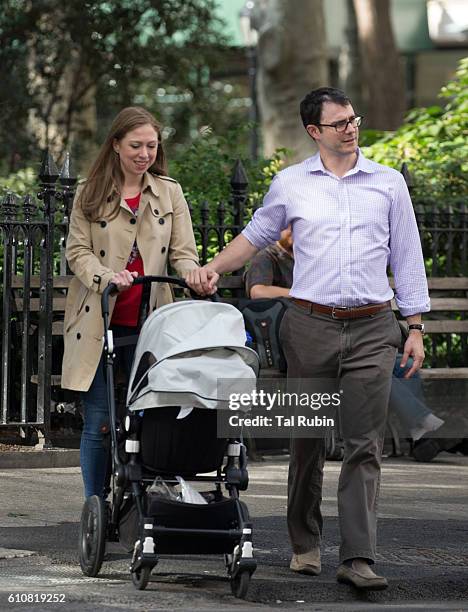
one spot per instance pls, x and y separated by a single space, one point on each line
94 451
406 396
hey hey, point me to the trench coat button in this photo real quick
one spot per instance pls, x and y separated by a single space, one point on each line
161 221
156 211
133 220
163 250
102 252
103 224
78 336
87 308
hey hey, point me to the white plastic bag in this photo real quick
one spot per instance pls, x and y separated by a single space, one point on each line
161 488
189 494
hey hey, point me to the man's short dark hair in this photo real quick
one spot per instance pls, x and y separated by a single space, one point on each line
311 105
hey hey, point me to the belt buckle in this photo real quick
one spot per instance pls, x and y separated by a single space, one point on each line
335 308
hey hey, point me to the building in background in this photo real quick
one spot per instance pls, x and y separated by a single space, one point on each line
432 36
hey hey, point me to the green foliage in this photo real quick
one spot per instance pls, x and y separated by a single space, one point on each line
21 183
433 142
205 168
60 62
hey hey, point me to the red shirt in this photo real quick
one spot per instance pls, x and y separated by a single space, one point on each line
127 306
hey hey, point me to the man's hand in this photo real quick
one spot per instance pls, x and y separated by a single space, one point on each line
124 279
202 280
414 348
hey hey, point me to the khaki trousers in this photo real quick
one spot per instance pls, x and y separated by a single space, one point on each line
361 354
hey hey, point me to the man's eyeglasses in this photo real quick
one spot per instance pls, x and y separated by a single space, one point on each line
342 126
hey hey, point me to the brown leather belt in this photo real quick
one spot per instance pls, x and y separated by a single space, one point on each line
341 312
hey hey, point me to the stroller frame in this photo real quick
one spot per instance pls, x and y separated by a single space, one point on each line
100 519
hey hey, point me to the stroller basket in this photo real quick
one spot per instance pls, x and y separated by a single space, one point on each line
207 528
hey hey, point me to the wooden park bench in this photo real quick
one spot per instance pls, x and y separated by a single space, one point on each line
449 308
449 296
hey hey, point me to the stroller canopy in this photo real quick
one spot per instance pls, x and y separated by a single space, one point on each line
184 350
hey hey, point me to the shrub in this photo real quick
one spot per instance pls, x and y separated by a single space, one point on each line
433 143
20 183
205 168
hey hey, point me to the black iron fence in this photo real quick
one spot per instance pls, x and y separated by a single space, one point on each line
34 274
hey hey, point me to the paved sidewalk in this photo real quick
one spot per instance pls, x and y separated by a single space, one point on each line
423 536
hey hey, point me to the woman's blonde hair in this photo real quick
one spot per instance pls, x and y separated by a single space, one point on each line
105 180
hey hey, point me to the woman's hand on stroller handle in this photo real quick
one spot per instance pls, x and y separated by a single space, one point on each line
202 280
123 280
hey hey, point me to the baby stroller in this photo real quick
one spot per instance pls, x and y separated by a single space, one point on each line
169 435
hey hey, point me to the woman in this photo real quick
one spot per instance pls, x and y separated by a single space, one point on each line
129 218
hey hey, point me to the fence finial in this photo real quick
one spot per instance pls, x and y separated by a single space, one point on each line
239 180
49 172
67 172
8 206
29 207
407 176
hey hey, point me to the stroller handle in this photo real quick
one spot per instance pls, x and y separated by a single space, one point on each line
146 280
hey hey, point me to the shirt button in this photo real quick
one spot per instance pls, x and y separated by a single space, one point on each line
102 252
103 224
133 221
87 308
156 211
78 336
163 250
161 221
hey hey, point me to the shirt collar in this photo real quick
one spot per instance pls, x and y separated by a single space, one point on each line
315 164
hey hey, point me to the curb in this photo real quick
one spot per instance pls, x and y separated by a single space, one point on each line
46 458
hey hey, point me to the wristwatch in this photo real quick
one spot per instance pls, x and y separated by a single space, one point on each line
418 326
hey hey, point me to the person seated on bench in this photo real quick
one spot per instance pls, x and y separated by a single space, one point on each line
270 275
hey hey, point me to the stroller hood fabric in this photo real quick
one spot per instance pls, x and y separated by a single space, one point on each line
184 349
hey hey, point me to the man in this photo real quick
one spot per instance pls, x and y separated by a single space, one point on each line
270 275
351 218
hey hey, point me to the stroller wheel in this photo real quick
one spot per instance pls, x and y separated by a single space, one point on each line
92 536
140 578
240 584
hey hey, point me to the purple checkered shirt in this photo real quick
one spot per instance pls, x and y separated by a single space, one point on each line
347 231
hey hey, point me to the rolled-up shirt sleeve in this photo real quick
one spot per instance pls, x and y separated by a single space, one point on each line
406 257
270 219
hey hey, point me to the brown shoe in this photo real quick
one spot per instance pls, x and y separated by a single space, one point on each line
361 576
307 563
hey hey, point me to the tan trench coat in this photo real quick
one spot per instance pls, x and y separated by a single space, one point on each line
95 251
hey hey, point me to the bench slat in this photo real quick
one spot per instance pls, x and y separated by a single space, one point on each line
60 282
446 327
449 304
58 304
426 374
432 327
57 328
55 380
448 283
444 373
444 305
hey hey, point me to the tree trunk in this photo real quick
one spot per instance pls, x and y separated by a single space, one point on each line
292 61
63 95
350 65
384 88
